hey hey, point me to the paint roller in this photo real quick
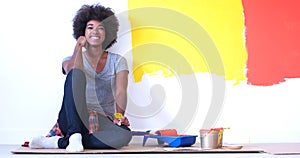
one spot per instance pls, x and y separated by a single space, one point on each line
167 132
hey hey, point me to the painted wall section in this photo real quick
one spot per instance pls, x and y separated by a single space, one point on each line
272 39
223 21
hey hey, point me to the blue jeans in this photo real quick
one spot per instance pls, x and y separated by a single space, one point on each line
73 118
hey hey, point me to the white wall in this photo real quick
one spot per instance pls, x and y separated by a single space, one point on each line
37 35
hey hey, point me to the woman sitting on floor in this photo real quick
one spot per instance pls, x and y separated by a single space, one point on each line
95 88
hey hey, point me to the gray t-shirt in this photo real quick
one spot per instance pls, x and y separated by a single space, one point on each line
100 88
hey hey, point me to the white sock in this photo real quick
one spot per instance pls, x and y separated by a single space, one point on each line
41 142
75 143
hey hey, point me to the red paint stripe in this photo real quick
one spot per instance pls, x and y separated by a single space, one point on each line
272 40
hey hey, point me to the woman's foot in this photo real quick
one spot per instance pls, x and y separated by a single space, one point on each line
42 142
75 143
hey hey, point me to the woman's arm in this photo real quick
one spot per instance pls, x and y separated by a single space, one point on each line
121 91
121 94
76 59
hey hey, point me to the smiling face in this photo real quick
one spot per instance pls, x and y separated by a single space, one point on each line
94 33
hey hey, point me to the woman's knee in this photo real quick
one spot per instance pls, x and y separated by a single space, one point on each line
125 135
108 139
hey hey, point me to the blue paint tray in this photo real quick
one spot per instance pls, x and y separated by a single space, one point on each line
173 141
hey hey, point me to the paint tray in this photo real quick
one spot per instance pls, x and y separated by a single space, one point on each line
173 141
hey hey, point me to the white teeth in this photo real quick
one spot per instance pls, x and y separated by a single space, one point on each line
95 37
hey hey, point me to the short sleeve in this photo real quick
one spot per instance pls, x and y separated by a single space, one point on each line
121 64
65 59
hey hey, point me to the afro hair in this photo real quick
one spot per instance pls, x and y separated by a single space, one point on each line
97 12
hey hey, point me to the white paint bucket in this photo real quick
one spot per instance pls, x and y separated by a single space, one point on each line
209 139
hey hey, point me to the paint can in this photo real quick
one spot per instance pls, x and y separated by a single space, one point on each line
220 136
209 139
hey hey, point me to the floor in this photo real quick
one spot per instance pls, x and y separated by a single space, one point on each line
5 152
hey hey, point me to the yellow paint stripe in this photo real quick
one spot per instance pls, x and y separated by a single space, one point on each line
222 20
